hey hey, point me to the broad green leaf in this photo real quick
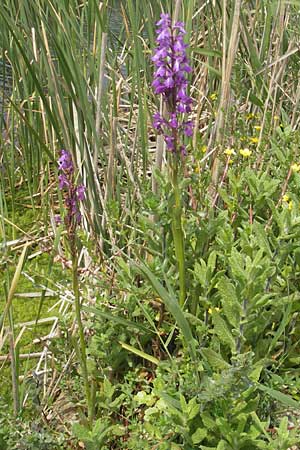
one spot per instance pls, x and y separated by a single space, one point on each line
172 402
237 264
261 237
208 421
255 373
222 445
192 409
230 303
199 435
283 431
255 100
214 359
200 271
211 262
222 331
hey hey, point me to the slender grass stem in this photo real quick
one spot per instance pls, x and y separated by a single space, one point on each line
14 367
82 350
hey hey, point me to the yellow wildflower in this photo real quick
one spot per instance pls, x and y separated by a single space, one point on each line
250 116
254 140
211 310
291 205
295 167
203 148
197 169
285 198
276 117
245 152
213 96
257 127
229 151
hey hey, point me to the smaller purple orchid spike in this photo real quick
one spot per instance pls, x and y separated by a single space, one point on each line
73 194
170 81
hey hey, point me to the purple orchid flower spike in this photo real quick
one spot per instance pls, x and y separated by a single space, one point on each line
73 194
170 81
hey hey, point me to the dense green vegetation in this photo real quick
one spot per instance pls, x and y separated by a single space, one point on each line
149 363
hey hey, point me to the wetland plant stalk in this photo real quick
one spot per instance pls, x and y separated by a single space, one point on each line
170 81
82 348
73 195
14 368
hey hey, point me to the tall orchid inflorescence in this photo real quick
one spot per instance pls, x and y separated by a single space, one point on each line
73 193
170 80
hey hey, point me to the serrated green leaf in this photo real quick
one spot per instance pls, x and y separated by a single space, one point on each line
192 409
255 373
200 270
222 331
283 431
108 388
211 262
214 359
199 435
208 421
222 445
237 264
230 303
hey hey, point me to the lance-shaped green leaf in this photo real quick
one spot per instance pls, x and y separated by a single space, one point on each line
172 306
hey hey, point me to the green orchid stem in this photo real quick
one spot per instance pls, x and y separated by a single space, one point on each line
82 348
177 231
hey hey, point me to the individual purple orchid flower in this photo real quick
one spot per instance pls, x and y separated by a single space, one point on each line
65 162
80 192
170 81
